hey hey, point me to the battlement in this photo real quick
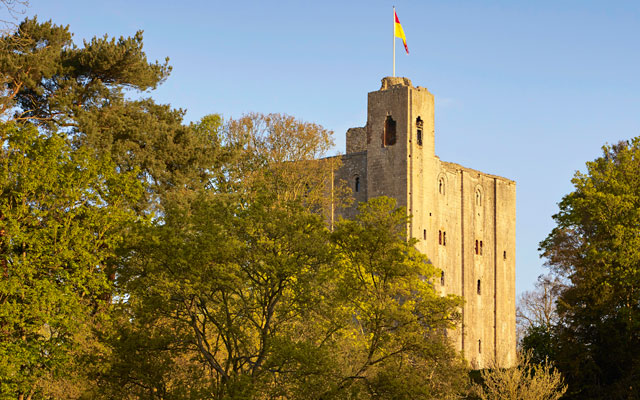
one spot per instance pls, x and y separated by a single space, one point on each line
389 82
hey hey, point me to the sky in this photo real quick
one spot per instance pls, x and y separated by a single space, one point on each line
526 90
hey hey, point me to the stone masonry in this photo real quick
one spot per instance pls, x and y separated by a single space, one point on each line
464 219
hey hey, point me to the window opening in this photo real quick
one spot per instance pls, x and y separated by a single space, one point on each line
419 125
504 254
424 234
476 247
478 197
479 346
479 289
439 237
441 186
444 238
442 278
357 183
481 247
389 131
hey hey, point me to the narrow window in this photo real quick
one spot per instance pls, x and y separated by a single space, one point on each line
442 278
481 247
479 290
419 125
504 255
479 346
478 197
476 247
424 234
439 237
357 183
389 131
444 238
441 186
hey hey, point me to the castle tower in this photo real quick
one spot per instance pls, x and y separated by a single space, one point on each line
399 127
464 219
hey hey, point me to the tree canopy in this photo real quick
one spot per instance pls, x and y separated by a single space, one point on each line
263 300
595 250
63 215
57 86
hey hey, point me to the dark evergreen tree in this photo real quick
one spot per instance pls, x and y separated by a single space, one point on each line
595 248
52 83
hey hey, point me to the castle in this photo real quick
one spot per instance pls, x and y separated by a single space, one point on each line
464 219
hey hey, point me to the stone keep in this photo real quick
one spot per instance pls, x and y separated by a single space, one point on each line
464 219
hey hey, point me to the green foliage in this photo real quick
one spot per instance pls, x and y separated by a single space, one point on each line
270 303
63 214
526 381
278 155
596 249
50 82
398 319
539 340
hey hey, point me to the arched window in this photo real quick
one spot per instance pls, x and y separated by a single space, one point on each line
479 288
441 187
389 131
357 184
424 234
442 278
419 126
478 197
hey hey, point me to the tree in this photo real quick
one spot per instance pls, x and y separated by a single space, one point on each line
77 155
14 8
262 300
243 290
536 318
48 81
526 381
398 348
595 247
538 307
282 156
223 278
63 215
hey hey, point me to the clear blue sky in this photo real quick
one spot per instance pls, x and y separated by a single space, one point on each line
526 90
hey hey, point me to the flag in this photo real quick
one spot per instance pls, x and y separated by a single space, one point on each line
400 32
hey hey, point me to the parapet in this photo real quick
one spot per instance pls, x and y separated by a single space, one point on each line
389 82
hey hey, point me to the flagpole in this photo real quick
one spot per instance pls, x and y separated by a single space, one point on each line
394 41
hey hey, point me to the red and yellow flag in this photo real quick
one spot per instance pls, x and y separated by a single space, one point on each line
400 32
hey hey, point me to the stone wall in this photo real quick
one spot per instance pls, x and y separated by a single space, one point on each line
353 168
452 207
356 140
